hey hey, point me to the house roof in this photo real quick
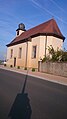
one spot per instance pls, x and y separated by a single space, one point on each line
49 28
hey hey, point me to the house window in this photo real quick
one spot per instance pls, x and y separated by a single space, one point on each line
20 52
34 51
11 53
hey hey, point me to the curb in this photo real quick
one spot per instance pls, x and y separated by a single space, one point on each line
34 75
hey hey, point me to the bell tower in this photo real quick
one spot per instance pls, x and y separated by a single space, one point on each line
21 29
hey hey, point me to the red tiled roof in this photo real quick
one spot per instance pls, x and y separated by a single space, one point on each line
47 28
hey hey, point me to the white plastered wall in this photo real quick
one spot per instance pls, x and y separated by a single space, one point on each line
36 41
55 42
19 61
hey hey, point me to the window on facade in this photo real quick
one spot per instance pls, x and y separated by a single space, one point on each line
17 32
20 52
34 51
11 53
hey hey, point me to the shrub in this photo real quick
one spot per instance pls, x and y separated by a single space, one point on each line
11 66
33 69
5 65
25 68
44 59
18 67
64 56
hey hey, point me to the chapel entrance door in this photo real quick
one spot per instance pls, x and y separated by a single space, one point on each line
14 61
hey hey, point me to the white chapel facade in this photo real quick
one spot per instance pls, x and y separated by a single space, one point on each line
29 46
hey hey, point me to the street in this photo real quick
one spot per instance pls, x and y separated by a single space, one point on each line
26 97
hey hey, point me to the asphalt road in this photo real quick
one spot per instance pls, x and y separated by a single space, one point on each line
25 97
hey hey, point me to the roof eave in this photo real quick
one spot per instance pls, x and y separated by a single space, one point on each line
38 34
55 35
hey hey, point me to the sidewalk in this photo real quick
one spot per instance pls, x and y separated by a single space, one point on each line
44 76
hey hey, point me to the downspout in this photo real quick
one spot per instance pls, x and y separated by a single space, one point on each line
26 54
29 39
45 45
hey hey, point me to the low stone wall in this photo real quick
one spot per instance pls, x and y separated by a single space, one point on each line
53 68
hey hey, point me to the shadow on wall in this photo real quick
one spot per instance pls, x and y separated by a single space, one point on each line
21 108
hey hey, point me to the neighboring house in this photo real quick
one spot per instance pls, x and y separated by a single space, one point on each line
29 46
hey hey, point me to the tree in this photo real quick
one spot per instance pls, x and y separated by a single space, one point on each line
56 56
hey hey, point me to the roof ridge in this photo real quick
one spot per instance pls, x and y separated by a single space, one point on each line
40 24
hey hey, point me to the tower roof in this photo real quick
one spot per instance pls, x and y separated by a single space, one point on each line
21 26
